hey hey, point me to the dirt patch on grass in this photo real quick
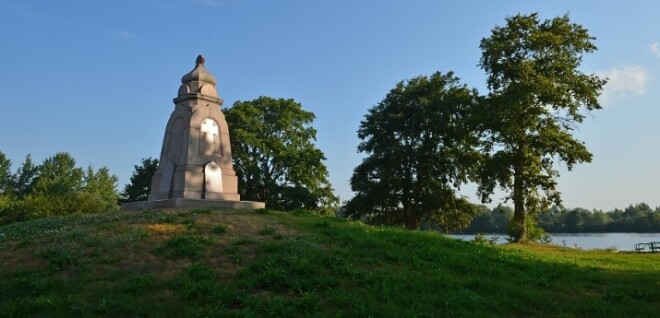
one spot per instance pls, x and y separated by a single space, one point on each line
165 228
15 258
241 225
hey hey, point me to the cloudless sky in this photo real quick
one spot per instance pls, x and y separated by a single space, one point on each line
96 78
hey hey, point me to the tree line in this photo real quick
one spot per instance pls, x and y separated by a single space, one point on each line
636 218
57 186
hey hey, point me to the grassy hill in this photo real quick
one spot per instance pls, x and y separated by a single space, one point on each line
246 264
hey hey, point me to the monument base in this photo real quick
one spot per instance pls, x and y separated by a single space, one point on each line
183 203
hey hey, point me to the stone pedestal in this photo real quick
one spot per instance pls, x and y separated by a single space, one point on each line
181 203
195 166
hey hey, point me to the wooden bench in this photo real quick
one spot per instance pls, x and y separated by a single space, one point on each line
652 247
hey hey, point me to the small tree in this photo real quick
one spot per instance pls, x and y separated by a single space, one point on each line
25 177
6 187
100 188
274 154
140 186
420 147
6 177
536 95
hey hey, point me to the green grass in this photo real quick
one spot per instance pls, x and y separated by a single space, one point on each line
205 263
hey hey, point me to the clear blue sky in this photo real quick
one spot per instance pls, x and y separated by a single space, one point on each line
97 78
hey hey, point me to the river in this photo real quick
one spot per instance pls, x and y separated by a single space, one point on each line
618 241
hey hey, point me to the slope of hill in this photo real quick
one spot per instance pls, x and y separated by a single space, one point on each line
247 264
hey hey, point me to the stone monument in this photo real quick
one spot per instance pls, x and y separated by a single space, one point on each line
195 168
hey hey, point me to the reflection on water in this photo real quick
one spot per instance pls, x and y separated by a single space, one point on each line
618 241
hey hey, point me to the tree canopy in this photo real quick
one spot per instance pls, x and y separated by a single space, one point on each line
59 175
101 187
140 184
274 155
420 148
537 94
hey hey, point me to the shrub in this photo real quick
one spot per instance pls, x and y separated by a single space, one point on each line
6 206
42 205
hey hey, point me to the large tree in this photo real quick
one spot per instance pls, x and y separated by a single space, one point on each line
140 186
536 99
274 155
420 148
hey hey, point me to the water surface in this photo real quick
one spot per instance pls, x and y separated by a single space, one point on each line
618 241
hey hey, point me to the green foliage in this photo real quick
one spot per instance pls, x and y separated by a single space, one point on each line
58 175
140 284
533 230
25 177
101 188
263 211
180 245
198 282
6 207
268 231
480 238
40 205
535 101
6 178
57 187
636 218
219 229
140 186
420 147
6 188
58 258
275 157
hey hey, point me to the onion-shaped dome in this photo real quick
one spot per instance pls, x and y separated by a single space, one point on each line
199 73
198 81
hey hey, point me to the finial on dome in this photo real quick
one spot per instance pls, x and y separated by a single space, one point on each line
199 73
200 60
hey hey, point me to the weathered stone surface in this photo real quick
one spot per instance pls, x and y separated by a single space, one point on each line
196 137
195 161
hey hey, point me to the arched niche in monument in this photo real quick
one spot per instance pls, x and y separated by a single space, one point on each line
212 179
209 137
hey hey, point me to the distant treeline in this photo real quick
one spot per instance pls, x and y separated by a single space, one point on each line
640 218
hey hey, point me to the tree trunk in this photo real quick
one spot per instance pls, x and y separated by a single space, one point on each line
409 218
519 226
412 223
